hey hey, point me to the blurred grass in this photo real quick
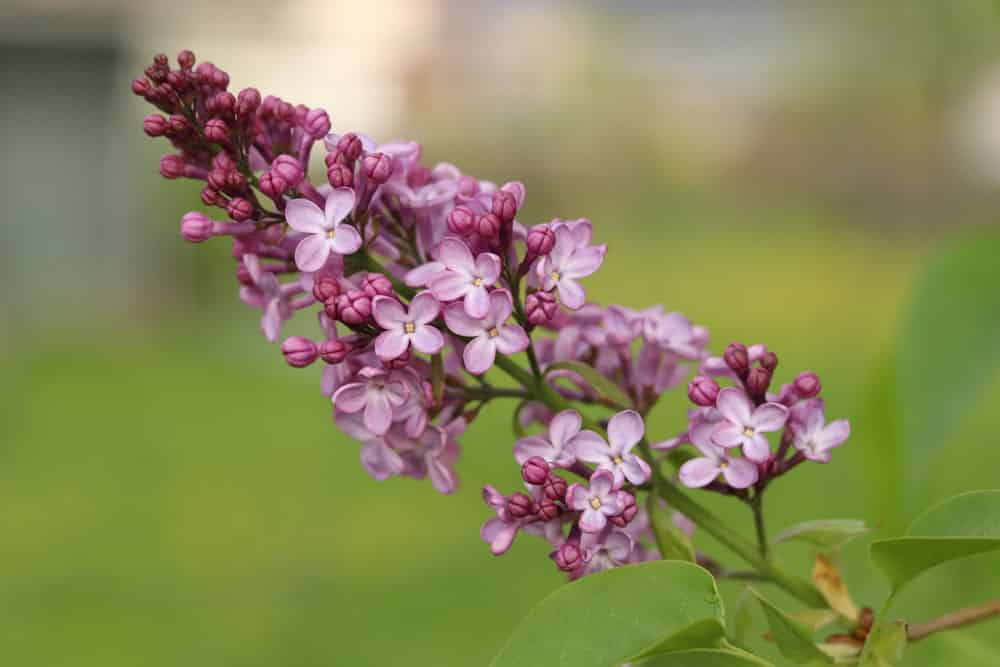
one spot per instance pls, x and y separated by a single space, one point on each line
176 495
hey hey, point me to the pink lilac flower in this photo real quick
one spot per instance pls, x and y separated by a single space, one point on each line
813 436
597 501
744 426
565 264
559 447
324 230
489 334
464 277
612 551
379 459
500 531
377 393
426 455
405 327
625 430
269 295
739 473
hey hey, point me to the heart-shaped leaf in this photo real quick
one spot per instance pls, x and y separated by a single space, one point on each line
824 533
705 658
964 525
604 618
794 639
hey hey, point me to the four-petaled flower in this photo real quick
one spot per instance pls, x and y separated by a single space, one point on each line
406 327
325 233
625 430
489 334
814 437
269 295
565 264
597 502
739 473
559 448
377 393
743 425
464 277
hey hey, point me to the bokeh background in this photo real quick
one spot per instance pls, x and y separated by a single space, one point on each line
172 494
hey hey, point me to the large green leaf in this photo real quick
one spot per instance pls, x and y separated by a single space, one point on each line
964 525
884 646
794 639
823 533
705 633
604 618
705 658
948 349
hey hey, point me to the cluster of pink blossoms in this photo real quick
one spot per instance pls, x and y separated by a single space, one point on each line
422 279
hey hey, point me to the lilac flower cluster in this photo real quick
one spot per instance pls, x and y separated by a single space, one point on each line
422 279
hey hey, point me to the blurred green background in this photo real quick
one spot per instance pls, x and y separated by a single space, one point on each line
171 493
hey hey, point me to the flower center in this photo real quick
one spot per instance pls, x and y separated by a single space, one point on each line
409 327
478 282
493 333
748 432
617 460
595 503
556 276
330 233
723 465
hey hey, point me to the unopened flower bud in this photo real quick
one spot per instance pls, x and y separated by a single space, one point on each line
212 197
504 206
239 209
488 226
376 284
247 102
568 557
737 359
540 307
519 505
272 185
141 86
171 166
546 509
541 239
299 352
554 487
377 167
340 176
235 182
703 391
758 381
223 104
154 125
807 385
467 186
461 221
350 146
333 351
317 123
629 510
418 176
217 131
535 470
326 288
769 360
185 59
196 227
400 362
354 307
179 126
288 168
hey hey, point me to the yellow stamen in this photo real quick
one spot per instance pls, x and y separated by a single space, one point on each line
748 432
556 276
494 332
478 282
409 327
595 503
617 460
331 233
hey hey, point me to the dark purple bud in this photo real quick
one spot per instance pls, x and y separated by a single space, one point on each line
284 112
461 221
541 238
535 470
703 391
554 487
179 126
400 362
248 101
223 104
212 197
488 226
504 206
299 352
141 86
330 308
807 385
376 284
185 59
269 106
239 209
547 509
418 176
354 307
333 351
272 185
350 146
568 557
235 182
340 176
630 509
519 505
377 167
223 161
288 168
540 307
217 178
769 360
196 227
171 166
217 131
316 123
326 288
758 381
155 125
737 359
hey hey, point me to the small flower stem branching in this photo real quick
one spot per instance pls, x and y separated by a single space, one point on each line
955 619
756 503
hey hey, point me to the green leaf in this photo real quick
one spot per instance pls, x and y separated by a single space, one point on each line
964 525
884 646
604 618
704 633
948 350
673 543
742 618
704 658
824 533
793 638
602 385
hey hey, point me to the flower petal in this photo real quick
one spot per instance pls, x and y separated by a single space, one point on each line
424 308
499 534
388 313
564 425
740 473
304 216
488 267
727 434
533 445
270 321
346 240
477 301
583 262
457 256
459 322
442 477
636 470
769 417
378 413
380 460
450 285
351 397
312 252
427 339
757 448
571 293
479 354
590 447
391 344
592 521
423 274
512 339
833 435
698 472
734 406
624 430
339 203
501 306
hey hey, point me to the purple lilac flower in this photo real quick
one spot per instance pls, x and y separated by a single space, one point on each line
377 393
744 425
812 435
559 447
597 501
406 327
269 295
426 455
612 550
489 334
625 430
739 473
324 230
465 277
566 263
379 459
